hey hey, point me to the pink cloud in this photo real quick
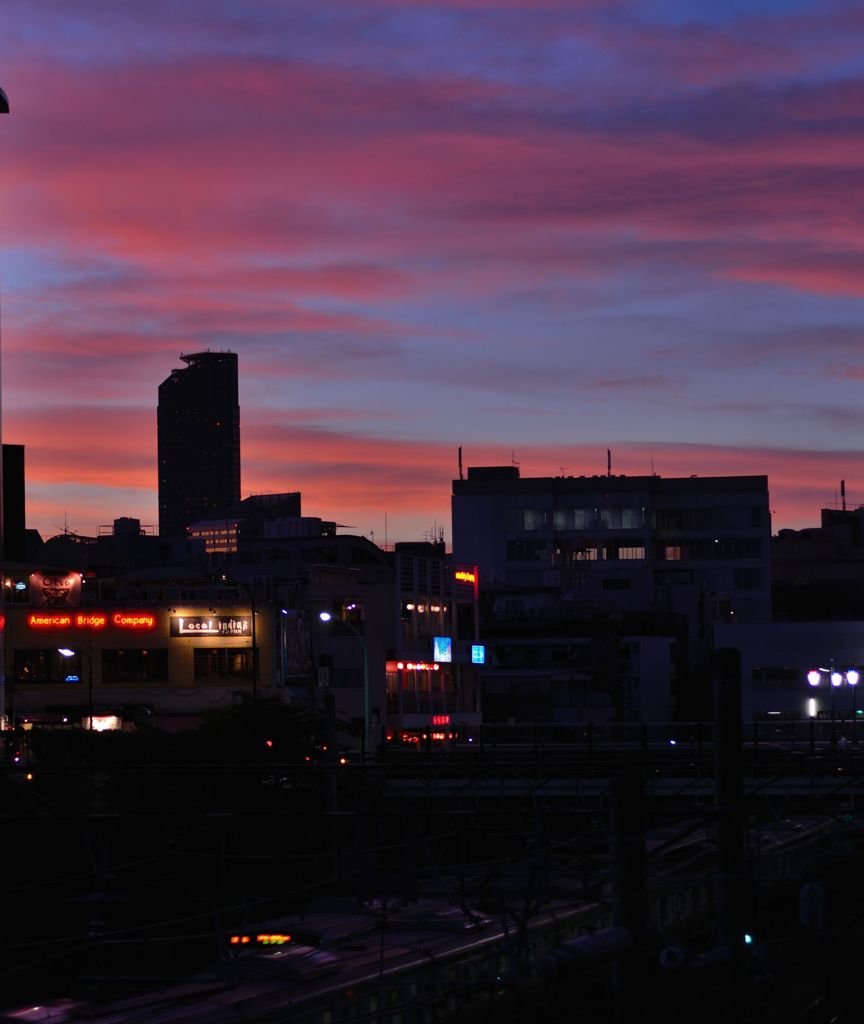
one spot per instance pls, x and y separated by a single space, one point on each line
356 478
381 215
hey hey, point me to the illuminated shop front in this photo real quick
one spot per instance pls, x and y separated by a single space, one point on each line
175 662
422 702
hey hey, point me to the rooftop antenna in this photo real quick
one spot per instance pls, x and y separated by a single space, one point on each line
843 494
460 461
385 531
608 462
513 461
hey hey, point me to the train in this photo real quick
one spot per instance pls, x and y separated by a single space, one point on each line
391 962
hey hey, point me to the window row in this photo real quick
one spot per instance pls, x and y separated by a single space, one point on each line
635 518
719 549
577 518
128 665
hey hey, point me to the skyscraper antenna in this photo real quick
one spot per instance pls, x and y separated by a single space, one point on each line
608 462
460 461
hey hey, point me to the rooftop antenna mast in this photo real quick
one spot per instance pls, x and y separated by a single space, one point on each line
460 461
608 462
843 495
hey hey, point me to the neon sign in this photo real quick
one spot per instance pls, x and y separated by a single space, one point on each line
91 620
129 620
464 576
211 625
440 719
49 621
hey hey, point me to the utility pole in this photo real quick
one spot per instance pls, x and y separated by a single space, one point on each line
4 109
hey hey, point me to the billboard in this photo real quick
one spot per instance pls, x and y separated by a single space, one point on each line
55 590
442 648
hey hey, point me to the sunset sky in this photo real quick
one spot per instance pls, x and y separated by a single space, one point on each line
534 229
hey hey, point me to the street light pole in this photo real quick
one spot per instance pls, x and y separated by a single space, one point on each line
67 652
364 737
252 609
837 679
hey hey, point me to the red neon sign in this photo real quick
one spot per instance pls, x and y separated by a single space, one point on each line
134 620
440 719
58 621
91 620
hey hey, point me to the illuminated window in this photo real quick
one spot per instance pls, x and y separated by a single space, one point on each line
586 555
529 519
621 518
47 666
222 662
220 536
673 553
635 553
351 611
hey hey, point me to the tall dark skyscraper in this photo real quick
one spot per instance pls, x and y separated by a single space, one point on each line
198 427
14 529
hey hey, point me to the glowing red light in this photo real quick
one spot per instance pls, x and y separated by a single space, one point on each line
91 620
133 620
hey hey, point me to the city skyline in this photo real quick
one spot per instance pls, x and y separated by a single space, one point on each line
538 231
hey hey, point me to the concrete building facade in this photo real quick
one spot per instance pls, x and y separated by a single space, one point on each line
603 591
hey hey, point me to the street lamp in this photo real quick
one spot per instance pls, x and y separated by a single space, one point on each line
250 595
836 679
364 736
67 652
